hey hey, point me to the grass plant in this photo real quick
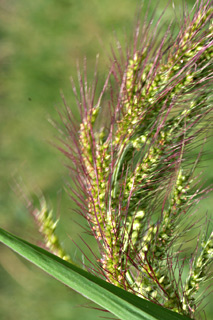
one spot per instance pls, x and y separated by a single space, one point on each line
137 182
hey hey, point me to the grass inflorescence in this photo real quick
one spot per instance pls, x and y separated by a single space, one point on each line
135 179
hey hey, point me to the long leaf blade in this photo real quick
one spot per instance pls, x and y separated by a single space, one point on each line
121 303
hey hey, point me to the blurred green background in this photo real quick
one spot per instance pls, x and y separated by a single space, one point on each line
40 44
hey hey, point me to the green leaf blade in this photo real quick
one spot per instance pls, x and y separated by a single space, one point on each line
121 303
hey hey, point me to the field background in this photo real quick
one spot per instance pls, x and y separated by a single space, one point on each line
40 44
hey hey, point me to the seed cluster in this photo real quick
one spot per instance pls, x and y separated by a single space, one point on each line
137 183
126 171
47 227
197 275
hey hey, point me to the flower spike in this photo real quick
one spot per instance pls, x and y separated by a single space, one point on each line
133 173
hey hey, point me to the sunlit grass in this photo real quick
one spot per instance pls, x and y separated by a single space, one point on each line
40 44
